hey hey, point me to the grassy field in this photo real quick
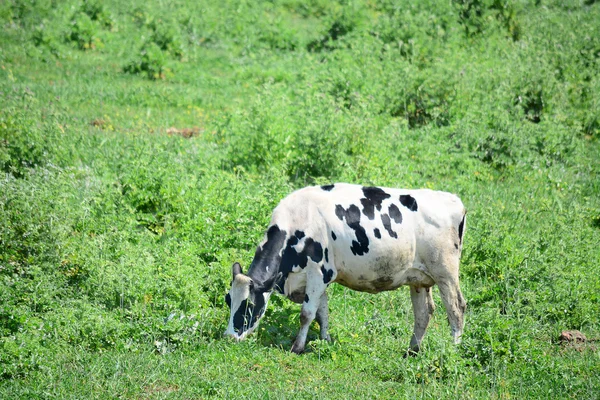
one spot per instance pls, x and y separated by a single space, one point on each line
144 144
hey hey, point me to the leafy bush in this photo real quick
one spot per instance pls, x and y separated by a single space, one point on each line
496 149
475 15
278 36
83 32
42 37
24 144
27 12
150 61
531 102
96 11
420 102
340 24
471 15
166 37
506 14
259 139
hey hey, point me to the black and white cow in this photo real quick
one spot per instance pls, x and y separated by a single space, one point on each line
369 239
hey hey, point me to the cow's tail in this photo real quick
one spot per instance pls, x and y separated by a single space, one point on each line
461 228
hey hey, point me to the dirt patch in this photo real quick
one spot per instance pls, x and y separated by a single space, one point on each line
184 132
575 340
152 390
572 337
98 123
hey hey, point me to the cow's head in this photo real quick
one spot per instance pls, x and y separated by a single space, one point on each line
247 302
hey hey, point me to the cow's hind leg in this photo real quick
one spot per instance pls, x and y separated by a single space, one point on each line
323 317
455 306
423 308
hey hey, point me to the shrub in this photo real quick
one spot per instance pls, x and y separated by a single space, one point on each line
83 32
27 12
530 102
506 14
42 37
96 11
471 15
166 37
150 61
271 135
420 102
278 36
475 15
22 145
496 149
340 24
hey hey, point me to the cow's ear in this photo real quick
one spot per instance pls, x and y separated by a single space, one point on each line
236 269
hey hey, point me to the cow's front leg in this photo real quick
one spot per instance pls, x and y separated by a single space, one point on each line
315 290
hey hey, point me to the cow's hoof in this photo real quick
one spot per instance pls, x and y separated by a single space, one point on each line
297 349
411 353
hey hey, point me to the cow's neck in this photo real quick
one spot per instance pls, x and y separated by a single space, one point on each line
264 273
265 266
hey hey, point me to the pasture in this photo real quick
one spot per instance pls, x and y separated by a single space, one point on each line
144 145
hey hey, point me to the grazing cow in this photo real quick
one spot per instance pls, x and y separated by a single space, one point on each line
369 239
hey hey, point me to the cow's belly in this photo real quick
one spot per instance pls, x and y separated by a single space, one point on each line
383 268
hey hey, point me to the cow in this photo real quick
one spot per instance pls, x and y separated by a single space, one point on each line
369 239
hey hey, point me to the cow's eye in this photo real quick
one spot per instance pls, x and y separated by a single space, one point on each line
228 300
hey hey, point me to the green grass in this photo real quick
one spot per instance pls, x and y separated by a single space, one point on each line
116 237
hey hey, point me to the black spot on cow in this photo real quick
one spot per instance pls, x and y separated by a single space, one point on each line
306 299
258 306
267 255
312 249
373 198
409 202
360 246
461 227
292 258
327 275
228 300
326 255
239 318
299 234
274 243
456 246
327 188
249 311
395 213
387 224
333 235
377 233
340 212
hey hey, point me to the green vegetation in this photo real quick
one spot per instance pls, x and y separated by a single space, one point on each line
144 144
